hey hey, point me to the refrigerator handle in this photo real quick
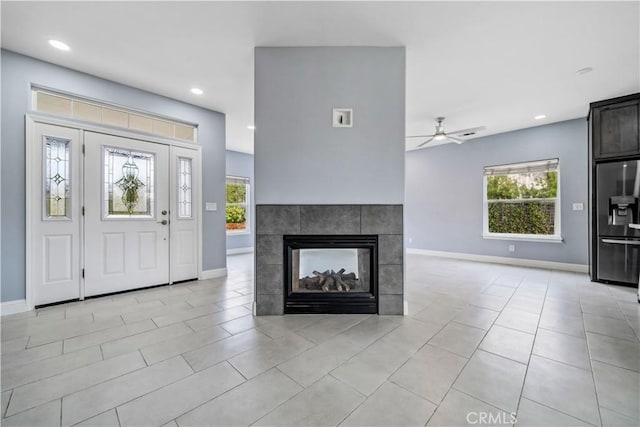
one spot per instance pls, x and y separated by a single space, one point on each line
622 242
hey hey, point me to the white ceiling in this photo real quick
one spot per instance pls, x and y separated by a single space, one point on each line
478 64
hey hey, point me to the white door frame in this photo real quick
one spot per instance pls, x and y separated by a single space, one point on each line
30 152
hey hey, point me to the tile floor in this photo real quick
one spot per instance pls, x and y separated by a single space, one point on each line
483 344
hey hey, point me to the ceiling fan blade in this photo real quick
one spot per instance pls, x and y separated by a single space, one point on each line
456 140
426 142
419 136
458 132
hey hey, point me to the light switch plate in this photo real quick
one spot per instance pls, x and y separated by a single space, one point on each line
211 206
578 207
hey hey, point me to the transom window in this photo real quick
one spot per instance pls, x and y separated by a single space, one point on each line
522 201
237 208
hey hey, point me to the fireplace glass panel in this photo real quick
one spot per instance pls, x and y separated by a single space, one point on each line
331 270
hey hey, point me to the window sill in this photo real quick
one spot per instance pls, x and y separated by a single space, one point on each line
238 233
523 238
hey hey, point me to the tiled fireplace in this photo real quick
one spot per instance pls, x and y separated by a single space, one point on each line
329 259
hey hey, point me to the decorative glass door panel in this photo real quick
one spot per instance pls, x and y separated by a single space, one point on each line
127 214
57 178
128 178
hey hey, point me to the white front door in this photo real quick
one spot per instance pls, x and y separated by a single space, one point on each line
54 210
126 213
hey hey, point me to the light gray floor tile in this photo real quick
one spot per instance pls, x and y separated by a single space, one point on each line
570 325
147 314
492 379
327 402
598 309
278 326
12 330
509 343
458 338
532 414
370 368
61 332
100 337
171 424
13 345
618 389
205 322
30 355
135 342
239 325
235 302
613 419
614 351
102 397
566 308
391 405
611 327
34 394
562 387
499 291
525 303
165 404
411 334
47 415
227 348
438 314
6 395
171 347
518 319
186 314
311 365
269 354
491 302
208 296
330 326
477 317
106 419
430 373
459 409
112 309
244 404
165 292
14 377
562 348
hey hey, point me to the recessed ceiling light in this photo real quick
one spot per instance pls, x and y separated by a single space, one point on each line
540 117
197 91
59 45
585 70
251 127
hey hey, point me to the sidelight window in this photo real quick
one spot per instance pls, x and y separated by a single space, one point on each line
57 201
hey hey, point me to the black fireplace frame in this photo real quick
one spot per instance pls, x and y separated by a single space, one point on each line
330 302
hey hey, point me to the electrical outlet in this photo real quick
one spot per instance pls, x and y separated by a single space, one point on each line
512 248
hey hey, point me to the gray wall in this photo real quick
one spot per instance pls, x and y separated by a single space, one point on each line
241 164
443 207
18 73
299 157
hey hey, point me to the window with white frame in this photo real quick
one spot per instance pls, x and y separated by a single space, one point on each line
522 201
237 208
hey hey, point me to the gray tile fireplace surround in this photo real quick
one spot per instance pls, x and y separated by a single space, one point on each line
275 221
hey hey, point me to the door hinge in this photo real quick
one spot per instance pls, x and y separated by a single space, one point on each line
83 149
83 211
83 273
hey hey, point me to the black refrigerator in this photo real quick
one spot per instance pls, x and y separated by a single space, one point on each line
617 186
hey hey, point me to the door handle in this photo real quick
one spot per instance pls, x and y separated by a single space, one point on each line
621 242
163 222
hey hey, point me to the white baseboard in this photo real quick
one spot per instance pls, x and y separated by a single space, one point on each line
212 274
236 251
522 262
13 307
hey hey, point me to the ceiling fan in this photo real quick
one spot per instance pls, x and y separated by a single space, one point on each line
441 135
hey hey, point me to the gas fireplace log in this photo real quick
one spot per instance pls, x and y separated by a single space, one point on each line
330 280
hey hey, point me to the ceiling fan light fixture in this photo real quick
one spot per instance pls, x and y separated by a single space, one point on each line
440 137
